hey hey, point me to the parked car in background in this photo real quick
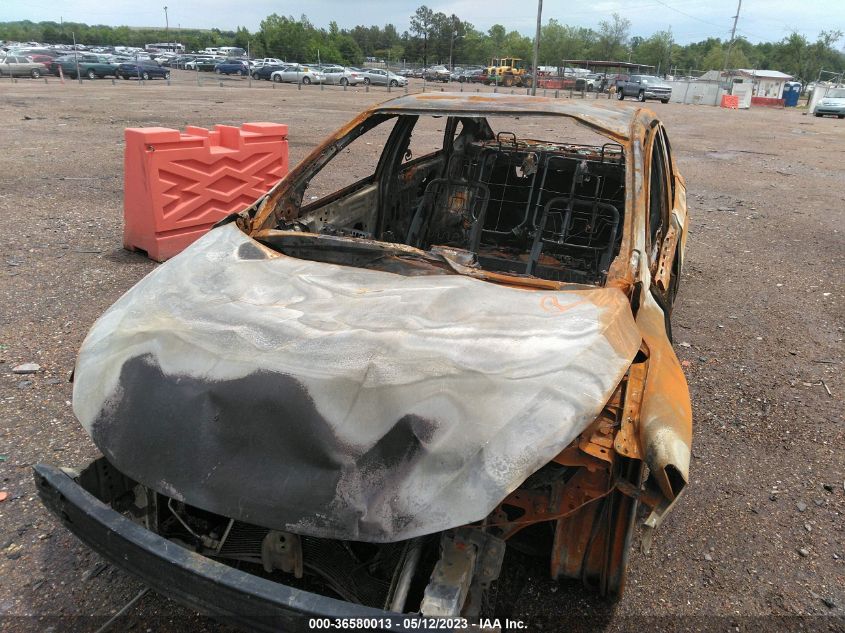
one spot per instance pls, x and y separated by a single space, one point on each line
29 51
613 80
297 73
590 83
85 64
204 63
232 67
644 87
475 75
379 77
142 70
14 66
46 60
341 76
405 72
264 72
437 73
179 61
57 61
832 104
268 61
207 65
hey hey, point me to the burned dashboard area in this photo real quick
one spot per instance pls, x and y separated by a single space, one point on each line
525 207
498 201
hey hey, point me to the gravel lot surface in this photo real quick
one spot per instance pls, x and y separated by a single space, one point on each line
758 542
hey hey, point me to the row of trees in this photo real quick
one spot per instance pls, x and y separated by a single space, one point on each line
435 37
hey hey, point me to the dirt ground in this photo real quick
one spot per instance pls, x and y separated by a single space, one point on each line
758 542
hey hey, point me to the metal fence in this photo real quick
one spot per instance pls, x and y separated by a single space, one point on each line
696 92
181 77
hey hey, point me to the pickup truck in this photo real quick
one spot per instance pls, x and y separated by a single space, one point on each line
643 87
268 61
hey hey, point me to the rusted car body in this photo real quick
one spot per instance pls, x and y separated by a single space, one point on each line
372 395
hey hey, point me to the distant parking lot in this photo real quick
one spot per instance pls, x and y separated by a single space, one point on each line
182 77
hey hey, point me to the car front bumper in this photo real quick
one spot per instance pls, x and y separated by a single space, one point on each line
196 581
830 110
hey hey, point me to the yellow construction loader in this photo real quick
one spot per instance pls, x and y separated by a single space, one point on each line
508 71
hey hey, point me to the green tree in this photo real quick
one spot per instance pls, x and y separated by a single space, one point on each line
715 58
612 40
655 51
421 25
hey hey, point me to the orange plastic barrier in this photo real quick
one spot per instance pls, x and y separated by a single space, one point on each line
178 184
730 101
556 83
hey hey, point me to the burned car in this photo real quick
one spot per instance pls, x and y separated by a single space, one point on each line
352 398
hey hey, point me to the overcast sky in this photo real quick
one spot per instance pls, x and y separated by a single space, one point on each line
690 20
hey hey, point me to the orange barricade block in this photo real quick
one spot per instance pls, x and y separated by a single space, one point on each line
730 101
178 184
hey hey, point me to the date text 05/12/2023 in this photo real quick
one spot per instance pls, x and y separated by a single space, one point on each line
418 624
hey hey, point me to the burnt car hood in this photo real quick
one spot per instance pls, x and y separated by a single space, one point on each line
341 402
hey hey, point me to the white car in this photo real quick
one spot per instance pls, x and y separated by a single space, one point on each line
268 61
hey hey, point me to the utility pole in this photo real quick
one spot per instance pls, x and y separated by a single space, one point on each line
537 47
166 28
76 59
731 45
452 42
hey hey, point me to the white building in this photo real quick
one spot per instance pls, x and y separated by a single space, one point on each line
765 83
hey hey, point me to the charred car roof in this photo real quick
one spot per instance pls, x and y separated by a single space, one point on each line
608 117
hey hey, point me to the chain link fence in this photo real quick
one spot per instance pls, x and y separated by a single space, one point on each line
687 90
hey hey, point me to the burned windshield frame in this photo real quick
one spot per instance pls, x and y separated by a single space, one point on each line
521 206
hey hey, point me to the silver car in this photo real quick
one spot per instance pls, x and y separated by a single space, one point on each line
16 66
833 104
379 77
199 59
338 75
296 73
